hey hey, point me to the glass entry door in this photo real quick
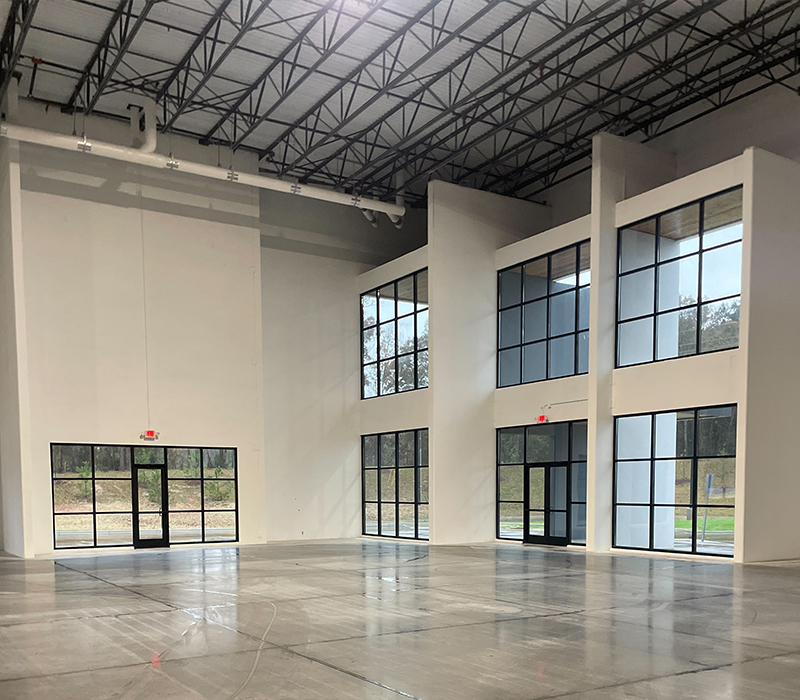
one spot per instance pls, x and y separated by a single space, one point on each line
546 489
150 524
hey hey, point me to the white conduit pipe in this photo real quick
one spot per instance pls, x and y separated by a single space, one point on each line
154 160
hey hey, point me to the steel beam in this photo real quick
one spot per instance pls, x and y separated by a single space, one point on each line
18 23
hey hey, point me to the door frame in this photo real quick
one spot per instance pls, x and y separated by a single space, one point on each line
547 538
148 542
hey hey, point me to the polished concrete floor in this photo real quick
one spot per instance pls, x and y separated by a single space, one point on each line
370 619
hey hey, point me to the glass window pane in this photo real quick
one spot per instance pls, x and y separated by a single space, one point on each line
422 289
184 494
185 527
548 443
562 313
536 523
422 369
388 450
722 216
636 294
114 529
633 437
536 482
677 283
558 524
220 526
219 494
580 441
423 484
111 462
722 272
676 334
183 462
371 518
387 378
585 276
370 484
635 342
578 491
716 481
387 340
674 434
386 304
369 345
637 245
405 296
73 496
74 531
509 365
680 232
583 308
149 489
422 442
562 357
72 461
510 287
510 521
219 464
536 279
510 483
405 448
422 522
510 327
370 451
715 531
583 352
534 362
633 482
558 488
672 529
113 495
535 321
407 492
369 309
716 432
719 325
578 524
370 381
511 444
632 527
388 521
405 373
422 330
148 455
673 482
563 270
407 521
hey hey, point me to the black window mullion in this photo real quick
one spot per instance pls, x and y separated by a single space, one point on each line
94 498
693 494
652 481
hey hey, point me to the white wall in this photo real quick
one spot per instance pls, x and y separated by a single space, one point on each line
142 295
465 229
311 394
768 465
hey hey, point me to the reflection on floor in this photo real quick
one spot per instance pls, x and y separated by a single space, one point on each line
369 619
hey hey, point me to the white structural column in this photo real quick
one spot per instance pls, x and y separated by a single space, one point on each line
768 469
620 169
17 521
465 229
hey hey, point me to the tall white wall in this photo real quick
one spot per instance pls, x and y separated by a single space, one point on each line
311 393
465 229
142 299
768 518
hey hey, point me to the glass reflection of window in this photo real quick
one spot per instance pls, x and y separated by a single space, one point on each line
394 337
395 484
675 481
543 317
680 281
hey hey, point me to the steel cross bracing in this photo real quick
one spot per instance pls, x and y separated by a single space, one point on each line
110 51
18 23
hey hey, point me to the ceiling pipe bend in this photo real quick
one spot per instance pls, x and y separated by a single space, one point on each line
161 162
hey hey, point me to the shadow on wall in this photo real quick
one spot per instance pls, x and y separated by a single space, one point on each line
302 225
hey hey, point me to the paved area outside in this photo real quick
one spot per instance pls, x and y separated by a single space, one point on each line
367 619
